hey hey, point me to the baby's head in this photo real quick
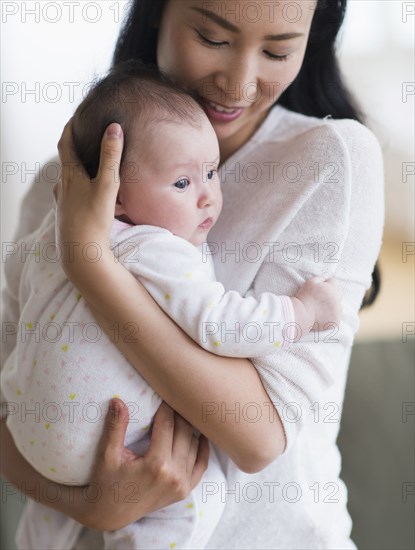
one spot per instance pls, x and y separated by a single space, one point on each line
171 154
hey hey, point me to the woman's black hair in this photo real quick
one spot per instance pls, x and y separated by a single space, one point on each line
317 91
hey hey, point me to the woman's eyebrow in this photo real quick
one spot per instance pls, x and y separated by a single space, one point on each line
230 27
217 19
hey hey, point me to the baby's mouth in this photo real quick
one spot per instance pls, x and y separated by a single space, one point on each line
207 223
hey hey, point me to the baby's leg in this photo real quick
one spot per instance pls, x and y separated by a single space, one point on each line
186 524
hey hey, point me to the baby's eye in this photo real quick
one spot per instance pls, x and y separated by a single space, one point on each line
182 184
210 174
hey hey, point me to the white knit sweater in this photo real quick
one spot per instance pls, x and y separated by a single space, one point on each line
302 197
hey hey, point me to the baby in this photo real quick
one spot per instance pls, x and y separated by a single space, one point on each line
66 370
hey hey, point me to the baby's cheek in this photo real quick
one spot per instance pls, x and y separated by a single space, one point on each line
134 211
219 202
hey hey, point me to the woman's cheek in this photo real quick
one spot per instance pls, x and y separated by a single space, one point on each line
168 50
287 77
194 65
295 67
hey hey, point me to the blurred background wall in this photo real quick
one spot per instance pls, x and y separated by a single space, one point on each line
51 50
377 57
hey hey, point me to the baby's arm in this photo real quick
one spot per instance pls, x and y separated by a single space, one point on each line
181 280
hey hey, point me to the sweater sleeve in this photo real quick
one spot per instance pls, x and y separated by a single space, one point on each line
298 377
181 280
10 307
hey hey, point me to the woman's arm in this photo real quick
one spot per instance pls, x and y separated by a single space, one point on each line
215 394
129 486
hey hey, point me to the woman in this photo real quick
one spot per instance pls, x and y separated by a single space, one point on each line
302 197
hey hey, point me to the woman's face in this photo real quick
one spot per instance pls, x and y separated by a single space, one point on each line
236 55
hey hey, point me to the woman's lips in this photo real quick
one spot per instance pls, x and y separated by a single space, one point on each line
207 224
215 111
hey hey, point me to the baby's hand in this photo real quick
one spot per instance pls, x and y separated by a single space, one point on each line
322 300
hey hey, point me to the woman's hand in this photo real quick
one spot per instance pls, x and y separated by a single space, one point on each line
131 486
86 207
124 487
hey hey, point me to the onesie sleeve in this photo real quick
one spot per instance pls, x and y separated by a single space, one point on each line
36 204
180 278
344 219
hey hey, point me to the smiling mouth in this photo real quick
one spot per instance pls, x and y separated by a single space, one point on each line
220 113
220 108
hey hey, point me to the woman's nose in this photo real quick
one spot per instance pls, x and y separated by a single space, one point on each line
238 82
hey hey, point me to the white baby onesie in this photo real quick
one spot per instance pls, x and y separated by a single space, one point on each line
64 370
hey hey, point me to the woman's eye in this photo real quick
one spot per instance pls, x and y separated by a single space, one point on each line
210 174
276 57
181 184
210 42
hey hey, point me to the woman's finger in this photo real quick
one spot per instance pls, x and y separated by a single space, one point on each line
116 424
66 153
55 191
201 463
69 161
192 455
110 159
161 443
182 441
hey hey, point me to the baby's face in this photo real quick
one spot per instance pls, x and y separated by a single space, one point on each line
172 180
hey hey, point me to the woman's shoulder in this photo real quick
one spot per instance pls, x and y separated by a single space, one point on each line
342 136
355 136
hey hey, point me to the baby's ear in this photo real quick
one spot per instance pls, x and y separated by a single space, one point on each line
119 206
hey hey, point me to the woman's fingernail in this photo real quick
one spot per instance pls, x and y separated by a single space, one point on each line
114 130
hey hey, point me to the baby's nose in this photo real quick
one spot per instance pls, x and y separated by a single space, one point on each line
205 199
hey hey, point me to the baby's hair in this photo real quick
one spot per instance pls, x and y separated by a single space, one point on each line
134 95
